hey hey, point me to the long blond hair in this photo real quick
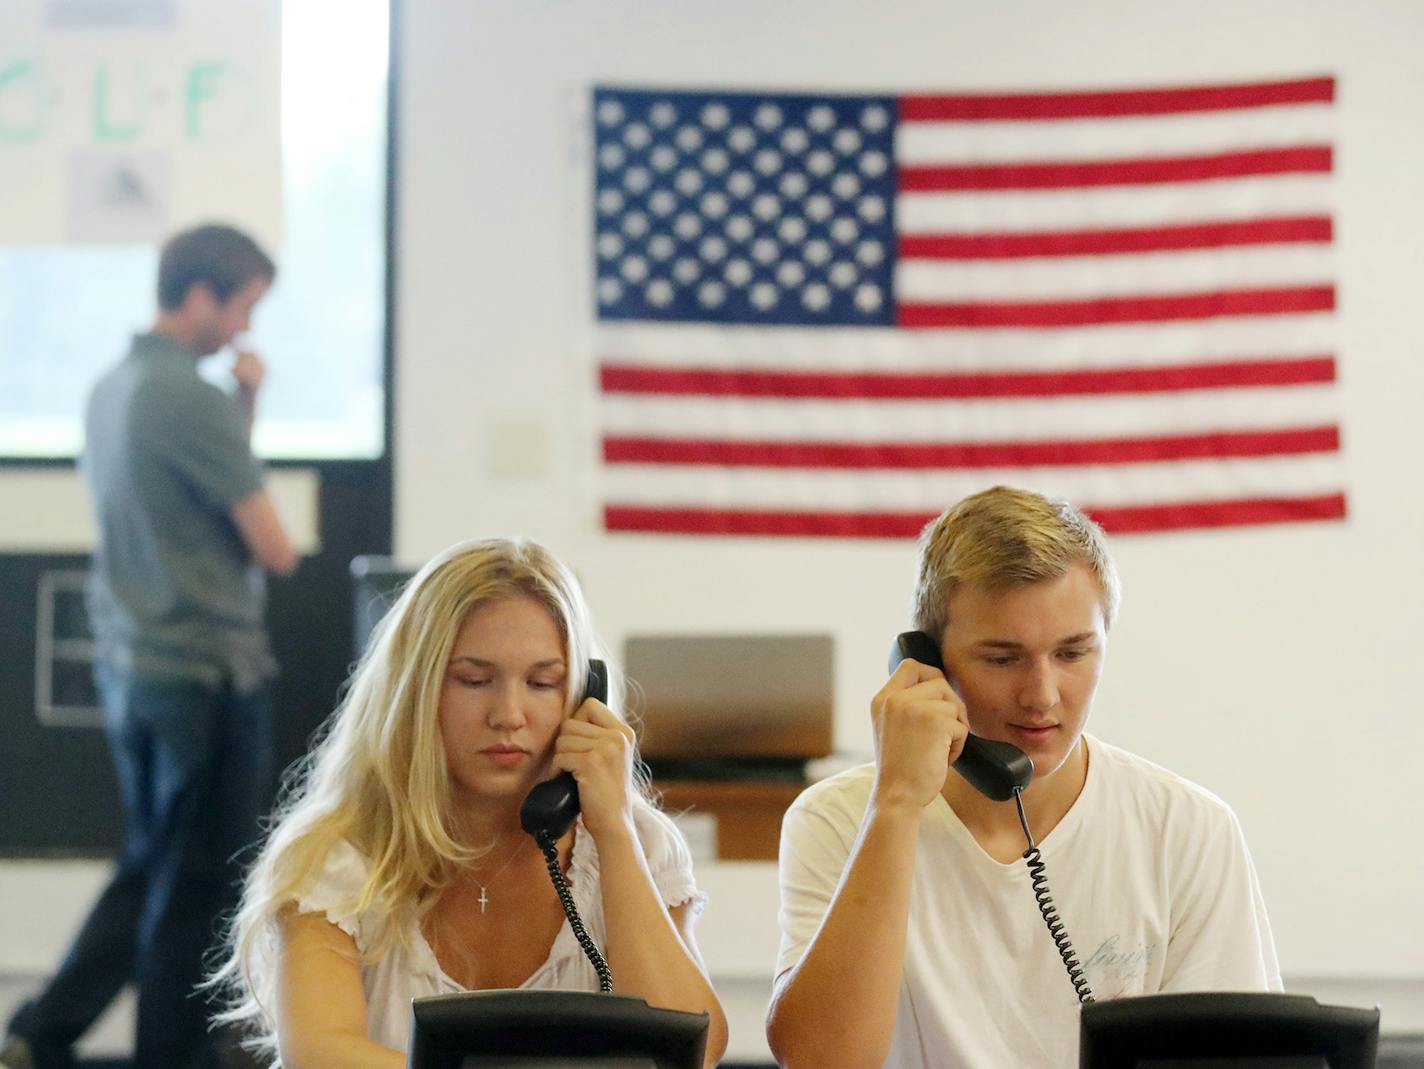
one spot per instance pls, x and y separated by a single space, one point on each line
377 779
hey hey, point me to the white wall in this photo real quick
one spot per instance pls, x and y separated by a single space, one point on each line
1275 666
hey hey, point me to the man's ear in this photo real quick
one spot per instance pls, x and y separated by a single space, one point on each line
199 300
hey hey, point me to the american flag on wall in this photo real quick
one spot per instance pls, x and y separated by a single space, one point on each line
836 315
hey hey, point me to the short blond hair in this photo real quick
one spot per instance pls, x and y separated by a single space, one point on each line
1003 538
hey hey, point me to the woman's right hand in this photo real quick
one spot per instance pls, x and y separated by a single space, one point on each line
920 724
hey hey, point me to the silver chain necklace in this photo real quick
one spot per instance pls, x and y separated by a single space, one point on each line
484 898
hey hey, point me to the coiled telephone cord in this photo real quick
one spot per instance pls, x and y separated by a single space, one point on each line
1050 913
548 844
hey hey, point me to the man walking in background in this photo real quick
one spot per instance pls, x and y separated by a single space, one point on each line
183 667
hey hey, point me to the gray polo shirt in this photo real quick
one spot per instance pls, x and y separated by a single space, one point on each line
174 592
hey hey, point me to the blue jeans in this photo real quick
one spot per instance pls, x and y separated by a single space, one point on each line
196 772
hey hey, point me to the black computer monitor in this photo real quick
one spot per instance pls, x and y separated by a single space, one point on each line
1226 1030
552 1030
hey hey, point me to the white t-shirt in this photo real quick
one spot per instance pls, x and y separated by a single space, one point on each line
404 974
1150 875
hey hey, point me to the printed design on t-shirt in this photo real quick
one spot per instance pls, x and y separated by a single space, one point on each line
1116 969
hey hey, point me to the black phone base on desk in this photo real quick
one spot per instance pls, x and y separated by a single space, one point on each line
1227 1030
552 1030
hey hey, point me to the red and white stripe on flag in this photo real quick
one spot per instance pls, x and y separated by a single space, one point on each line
1122 297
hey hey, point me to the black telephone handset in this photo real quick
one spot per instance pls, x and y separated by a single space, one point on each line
552 807
549 811
993 768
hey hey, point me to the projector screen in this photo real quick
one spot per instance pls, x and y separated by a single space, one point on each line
68 308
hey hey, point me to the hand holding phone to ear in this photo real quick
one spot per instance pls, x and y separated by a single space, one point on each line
998 770
596 745
920 725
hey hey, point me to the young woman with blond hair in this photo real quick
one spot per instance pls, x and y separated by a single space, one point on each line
397 868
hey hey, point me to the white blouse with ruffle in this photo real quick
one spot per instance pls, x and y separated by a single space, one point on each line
410 970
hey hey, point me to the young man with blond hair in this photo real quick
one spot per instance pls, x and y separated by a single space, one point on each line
910 935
